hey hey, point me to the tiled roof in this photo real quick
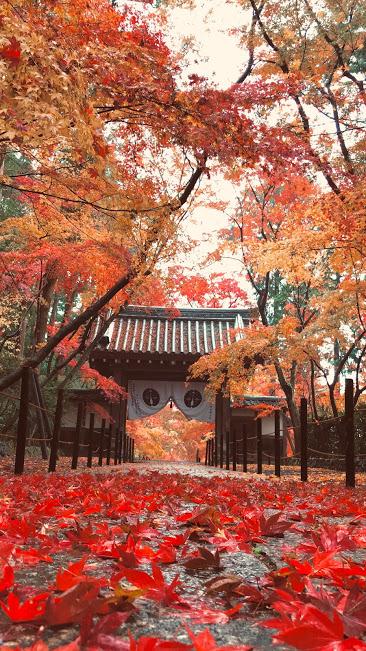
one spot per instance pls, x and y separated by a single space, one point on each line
184 331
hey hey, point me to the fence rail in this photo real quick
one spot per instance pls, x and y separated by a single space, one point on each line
236 444
112 443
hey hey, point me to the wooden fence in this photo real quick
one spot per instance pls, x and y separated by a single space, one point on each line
231 447
112 443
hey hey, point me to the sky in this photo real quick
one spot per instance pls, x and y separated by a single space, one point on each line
217 55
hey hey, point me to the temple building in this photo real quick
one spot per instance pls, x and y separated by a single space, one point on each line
149 350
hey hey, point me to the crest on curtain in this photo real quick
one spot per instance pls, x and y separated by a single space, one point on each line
146 398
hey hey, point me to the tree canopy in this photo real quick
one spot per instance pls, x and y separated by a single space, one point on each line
107 145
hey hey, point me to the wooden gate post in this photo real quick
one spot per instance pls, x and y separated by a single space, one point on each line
221 449
124 453
109 444
123 417
120 446
22 429
90 441
218 425
227 448
116 439
259 446
56 431
133 451
304 438
206 453
75 448
234 447
350 434
244 444
277 442
101 443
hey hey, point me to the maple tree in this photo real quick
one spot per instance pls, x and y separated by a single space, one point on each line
99 133
292 227
169 435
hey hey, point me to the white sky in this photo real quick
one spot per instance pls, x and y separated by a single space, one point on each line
216 54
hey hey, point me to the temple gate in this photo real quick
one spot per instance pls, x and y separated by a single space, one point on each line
148 351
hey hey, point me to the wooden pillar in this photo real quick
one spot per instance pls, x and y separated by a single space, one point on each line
124 443
304 438
349 434
259 446
218 425
76 444
227 448
116 443
56 431
22 429
245 448
101 443
226 424
90 441
133 451
221 449
109 444
123 419
277 442
234 446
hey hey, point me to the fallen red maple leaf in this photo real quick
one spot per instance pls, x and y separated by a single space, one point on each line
311 630
99 636
73 604
26 611
275 525
7 579
155 585
203 560
155 644
71 576
205 641
353 611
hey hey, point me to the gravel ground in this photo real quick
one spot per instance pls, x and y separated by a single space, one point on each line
152 618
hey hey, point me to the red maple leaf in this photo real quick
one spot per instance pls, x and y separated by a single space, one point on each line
26 611
12 51
7 579
205 641
154 585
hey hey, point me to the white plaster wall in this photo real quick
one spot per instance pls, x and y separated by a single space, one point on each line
70 415
267 421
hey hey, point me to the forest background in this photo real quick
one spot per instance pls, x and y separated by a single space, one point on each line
111 140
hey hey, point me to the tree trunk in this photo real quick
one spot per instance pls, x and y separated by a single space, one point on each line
45 297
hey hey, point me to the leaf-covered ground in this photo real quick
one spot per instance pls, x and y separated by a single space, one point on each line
151 557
